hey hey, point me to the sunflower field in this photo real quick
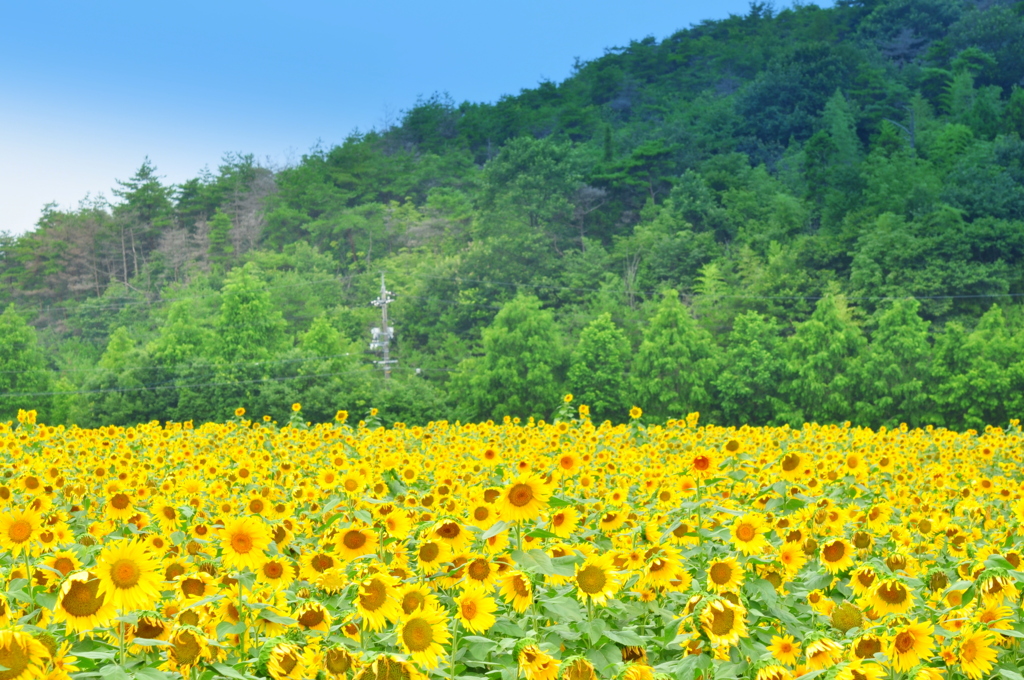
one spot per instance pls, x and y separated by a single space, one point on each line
568 550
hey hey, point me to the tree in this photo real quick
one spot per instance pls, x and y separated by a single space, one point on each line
674 368
752 370
821 365
597 369
521 369
24 378
895 373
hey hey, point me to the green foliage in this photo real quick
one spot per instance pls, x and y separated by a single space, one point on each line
24 379
867 152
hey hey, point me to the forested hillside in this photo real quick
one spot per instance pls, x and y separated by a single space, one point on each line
806 214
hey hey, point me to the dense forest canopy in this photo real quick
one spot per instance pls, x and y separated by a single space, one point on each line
805 214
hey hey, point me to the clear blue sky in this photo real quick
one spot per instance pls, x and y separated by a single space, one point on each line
88 89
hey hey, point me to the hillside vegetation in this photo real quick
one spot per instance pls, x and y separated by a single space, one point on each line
796 215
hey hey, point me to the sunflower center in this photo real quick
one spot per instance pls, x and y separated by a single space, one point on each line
904 642
866 578
418 634
591 579
287 662
479 570
720 573
468 609
15 659
20 531
412 601
189 618
354 539
256 505
519 586
834 551
520 495
311 618
148 628
241 542
565 462
337 661
120 501
273 569
82 599
968 652
429 552
449 530
701 463
791 462
174 571
373 596
481 513
892 593
867 648
321 562
64 565
186 648
169 512
351 485
125 573
722 620
746 532
193 587
558 520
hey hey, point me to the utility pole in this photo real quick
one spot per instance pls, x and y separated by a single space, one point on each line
381 337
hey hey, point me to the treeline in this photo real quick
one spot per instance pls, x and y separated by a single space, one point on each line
836 196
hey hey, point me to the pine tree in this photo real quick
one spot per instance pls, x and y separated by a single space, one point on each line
597 370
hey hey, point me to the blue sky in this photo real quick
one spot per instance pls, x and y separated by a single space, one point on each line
88 89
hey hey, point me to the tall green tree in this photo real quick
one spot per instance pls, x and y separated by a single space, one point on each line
821 365
895 374
752 370
22 368
674 368
521 371
597 369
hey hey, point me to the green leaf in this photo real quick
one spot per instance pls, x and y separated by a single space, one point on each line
1010 675
998 562
563 608
151 642
627 638
556 502
540 533
495 529
113 672
364 516
229 672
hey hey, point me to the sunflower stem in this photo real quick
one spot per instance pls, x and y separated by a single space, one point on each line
241 619
28 575
120 636
455 644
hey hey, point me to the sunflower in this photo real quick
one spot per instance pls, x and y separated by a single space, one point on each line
891 596
822 653
702 463
860 669
431 554
243 543
60 563
480 573
148 627
388 668
862 580
517 590
21 655
748 534
663 568
312 615
475 610
723 622
118 507
772 671
129 576
451 533
19 531
81 605
563 521
397 524
724 574
535 663
339 663
193 586
865 646
785 649
188 648
578 668
423 635
482 514
836 555
791 555
612 521
355 542
523 499
377 602
277 572
911 644
976 653
595 579
415 596
314 564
